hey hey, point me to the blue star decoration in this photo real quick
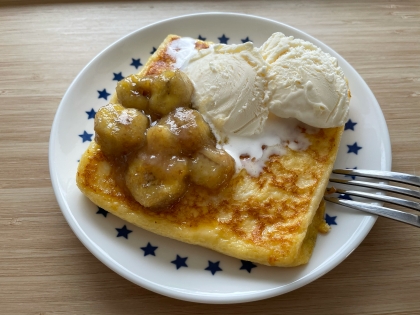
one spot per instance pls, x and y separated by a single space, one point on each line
353 177
246 40
201 37
223 39
330 220
354 148
103 94
149 249
123 232
118 76
153 50
102 211
349 125
345 196
213 267
86 136
91 114
247 265
180 261
136 63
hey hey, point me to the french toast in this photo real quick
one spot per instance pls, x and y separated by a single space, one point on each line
272 218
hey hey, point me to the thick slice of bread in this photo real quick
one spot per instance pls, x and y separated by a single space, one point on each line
271 219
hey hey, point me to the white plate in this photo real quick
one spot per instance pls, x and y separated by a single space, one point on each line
235 282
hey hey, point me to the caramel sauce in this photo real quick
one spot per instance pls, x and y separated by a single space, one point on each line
176 150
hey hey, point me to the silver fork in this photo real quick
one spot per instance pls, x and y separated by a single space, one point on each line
379 186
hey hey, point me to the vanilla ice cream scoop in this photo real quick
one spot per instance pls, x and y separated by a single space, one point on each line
230 88
305 83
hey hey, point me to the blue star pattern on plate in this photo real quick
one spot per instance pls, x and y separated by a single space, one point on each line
91 114
136 63
223 39
180 261
201 37
123 232
118 76
103 94
345 196
354 148
149 249
153 50
102 211
246 40
349 125
353 177
247 265
213 267
86 136
330 220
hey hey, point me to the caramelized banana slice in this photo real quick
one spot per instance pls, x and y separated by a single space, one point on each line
170 90
134 91
211 167
191 130
156 181
160 140
120 130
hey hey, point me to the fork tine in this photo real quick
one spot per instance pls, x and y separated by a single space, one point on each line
397 215
391 176
396 201
379 186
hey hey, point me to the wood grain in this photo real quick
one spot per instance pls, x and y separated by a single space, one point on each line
44 269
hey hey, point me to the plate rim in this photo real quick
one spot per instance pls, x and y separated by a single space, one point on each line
202 297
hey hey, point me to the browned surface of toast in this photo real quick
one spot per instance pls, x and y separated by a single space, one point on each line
271 219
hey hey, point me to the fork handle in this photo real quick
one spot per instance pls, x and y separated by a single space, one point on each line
397 215
391 176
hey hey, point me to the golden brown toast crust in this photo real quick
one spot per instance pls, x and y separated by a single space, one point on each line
265 219
160 60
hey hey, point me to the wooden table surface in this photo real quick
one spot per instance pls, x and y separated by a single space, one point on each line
44 268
